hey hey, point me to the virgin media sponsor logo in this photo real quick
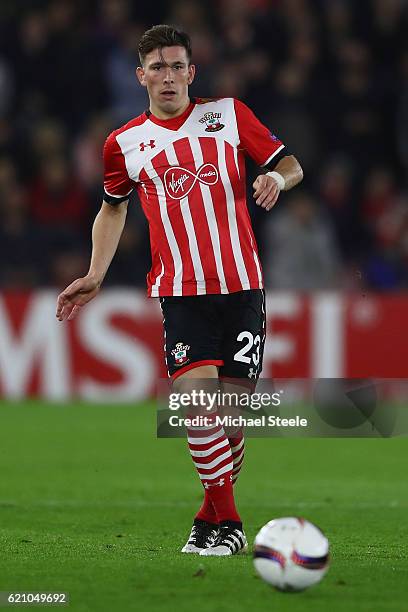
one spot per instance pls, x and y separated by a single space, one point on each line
179 181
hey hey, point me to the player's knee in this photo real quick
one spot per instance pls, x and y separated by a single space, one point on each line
200 385
195 377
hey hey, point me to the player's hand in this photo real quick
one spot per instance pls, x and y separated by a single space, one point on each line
78 293
266 191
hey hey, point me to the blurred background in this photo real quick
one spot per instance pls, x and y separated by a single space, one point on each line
330 78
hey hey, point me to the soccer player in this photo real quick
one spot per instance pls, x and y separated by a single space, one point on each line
186 159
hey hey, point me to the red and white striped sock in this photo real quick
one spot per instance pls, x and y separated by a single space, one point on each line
212 457
237 444
207 512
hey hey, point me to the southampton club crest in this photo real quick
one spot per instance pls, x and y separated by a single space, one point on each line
180 353
212 121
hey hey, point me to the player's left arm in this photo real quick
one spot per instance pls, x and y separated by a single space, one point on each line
283 170
286 174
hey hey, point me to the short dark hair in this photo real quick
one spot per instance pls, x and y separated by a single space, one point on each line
160 36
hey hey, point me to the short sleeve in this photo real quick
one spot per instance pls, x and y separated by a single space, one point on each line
255 138
117 184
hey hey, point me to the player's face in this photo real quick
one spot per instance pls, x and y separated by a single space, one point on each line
167 74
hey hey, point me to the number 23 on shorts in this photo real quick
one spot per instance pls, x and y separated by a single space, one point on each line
250 351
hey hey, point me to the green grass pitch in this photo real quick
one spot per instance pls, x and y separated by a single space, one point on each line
93 504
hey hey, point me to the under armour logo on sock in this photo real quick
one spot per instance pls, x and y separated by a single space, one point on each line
150 144
221 481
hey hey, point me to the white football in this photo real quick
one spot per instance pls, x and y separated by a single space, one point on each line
291 553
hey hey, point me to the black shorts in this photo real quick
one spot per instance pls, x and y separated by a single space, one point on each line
227 331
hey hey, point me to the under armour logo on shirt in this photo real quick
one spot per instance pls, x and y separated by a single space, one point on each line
142 145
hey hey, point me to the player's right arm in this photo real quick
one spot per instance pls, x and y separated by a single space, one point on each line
106 232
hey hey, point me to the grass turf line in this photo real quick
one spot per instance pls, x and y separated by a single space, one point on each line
93 504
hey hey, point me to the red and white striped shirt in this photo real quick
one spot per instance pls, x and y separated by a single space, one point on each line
189 173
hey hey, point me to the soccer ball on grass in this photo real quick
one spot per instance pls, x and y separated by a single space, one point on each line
291 553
